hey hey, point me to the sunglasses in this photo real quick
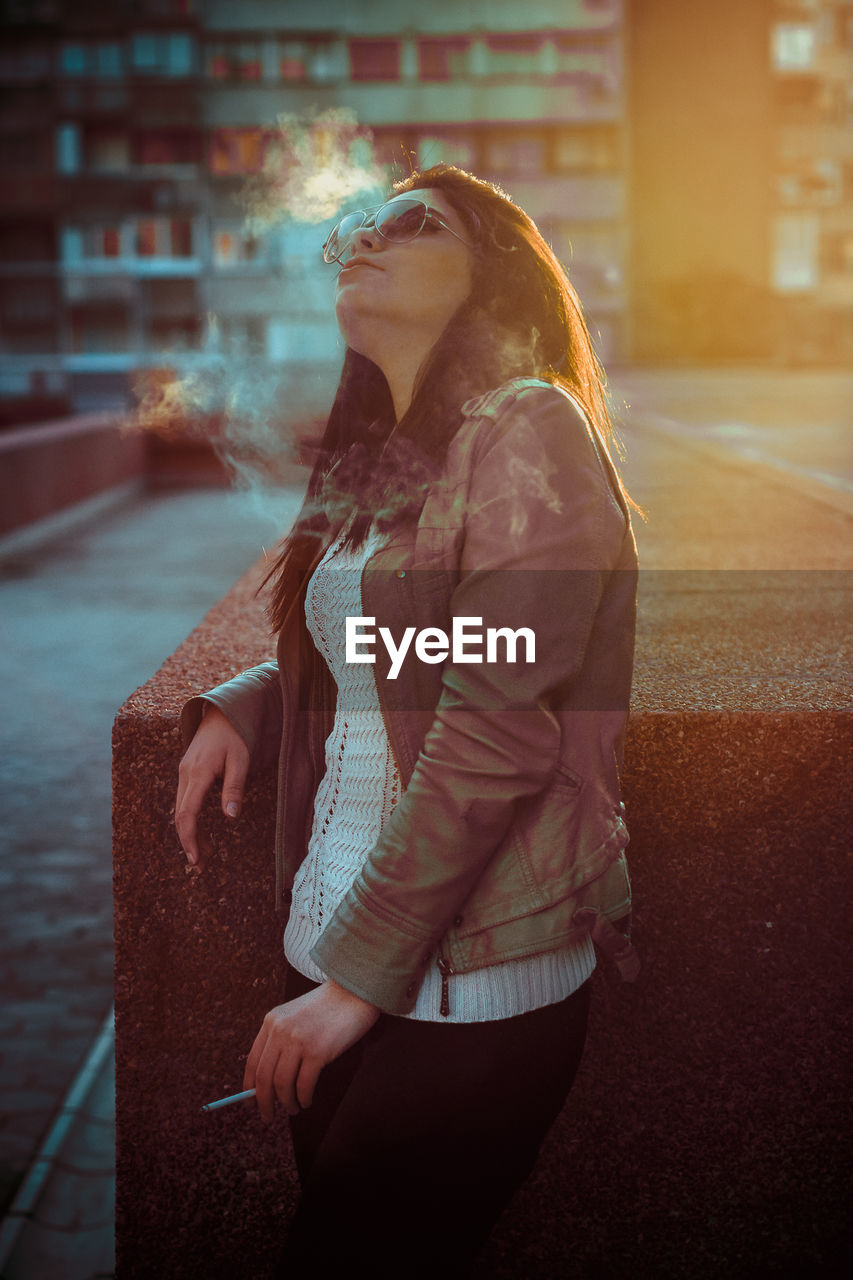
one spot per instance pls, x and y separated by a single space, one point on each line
398 221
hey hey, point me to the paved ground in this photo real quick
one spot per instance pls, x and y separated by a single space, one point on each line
87 615
89 612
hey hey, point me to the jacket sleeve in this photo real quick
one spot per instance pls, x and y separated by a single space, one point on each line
542 530
252 702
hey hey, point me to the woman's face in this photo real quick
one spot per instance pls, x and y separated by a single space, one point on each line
403 293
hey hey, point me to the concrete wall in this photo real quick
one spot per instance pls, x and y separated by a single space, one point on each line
706 1135
47 467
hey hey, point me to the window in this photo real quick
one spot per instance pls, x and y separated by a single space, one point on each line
292 61
68 149
103 59
101 241
794 45
107 60
99 328
163 55
217 61
520 155
108 151
452 149
172 332
146 238
297 60
795 252
249 61
73 60
157 237
230 60
592 61
234 151
811 182
164 238
233 245
514 55
71 245
327 62
242 335
443 60
374 59
172 308
585 150
166 146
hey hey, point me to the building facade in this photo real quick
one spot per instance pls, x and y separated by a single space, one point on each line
692 165
741 182
129 132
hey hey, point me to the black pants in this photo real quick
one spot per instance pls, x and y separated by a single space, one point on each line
419 1135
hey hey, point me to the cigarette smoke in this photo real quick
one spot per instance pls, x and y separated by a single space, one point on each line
313 166
256 411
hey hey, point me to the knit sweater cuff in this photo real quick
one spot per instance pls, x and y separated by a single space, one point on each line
382 963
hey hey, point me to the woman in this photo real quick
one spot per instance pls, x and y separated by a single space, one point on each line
450 836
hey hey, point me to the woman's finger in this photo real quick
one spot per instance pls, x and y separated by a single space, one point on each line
271 1070
284 1083
306 1080
264 1089
191 792
234 780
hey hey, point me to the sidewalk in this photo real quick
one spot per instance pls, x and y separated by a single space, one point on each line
87 615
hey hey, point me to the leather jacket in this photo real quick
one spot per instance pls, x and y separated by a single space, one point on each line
509 837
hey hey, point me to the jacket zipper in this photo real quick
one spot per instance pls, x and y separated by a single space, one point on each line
445 968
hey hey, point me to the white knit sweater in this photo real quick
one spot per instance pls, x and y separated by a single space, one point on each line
357 795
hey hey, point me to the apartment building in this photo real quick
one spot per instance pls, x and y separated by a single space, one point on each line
741 180
129 131
811 265
692 165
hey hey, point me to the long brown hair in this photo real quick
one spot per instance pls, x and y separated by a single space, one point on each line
521 318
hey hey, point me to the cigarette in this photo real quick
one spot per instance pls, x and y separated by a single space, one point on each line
226 1102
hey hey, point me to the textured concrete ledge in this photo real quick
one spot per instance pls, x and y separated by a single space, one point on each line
709 1129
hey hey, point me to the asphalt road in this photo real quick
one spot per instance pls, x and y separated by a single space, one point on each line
798 423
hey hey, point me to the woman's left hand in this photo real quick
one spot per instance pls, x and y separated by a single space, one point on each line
298 1039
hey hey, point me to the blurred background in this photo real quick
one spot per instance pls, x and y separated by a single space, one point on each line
692 165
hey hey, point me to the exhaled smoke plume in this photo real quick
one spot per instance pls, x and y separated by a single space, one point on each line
313 166
245 400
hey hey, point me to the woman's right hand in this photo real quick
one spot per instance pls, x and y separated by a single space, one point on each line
217 750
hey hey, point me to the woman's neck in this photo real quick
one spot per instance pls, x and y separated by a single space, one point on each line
400 364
